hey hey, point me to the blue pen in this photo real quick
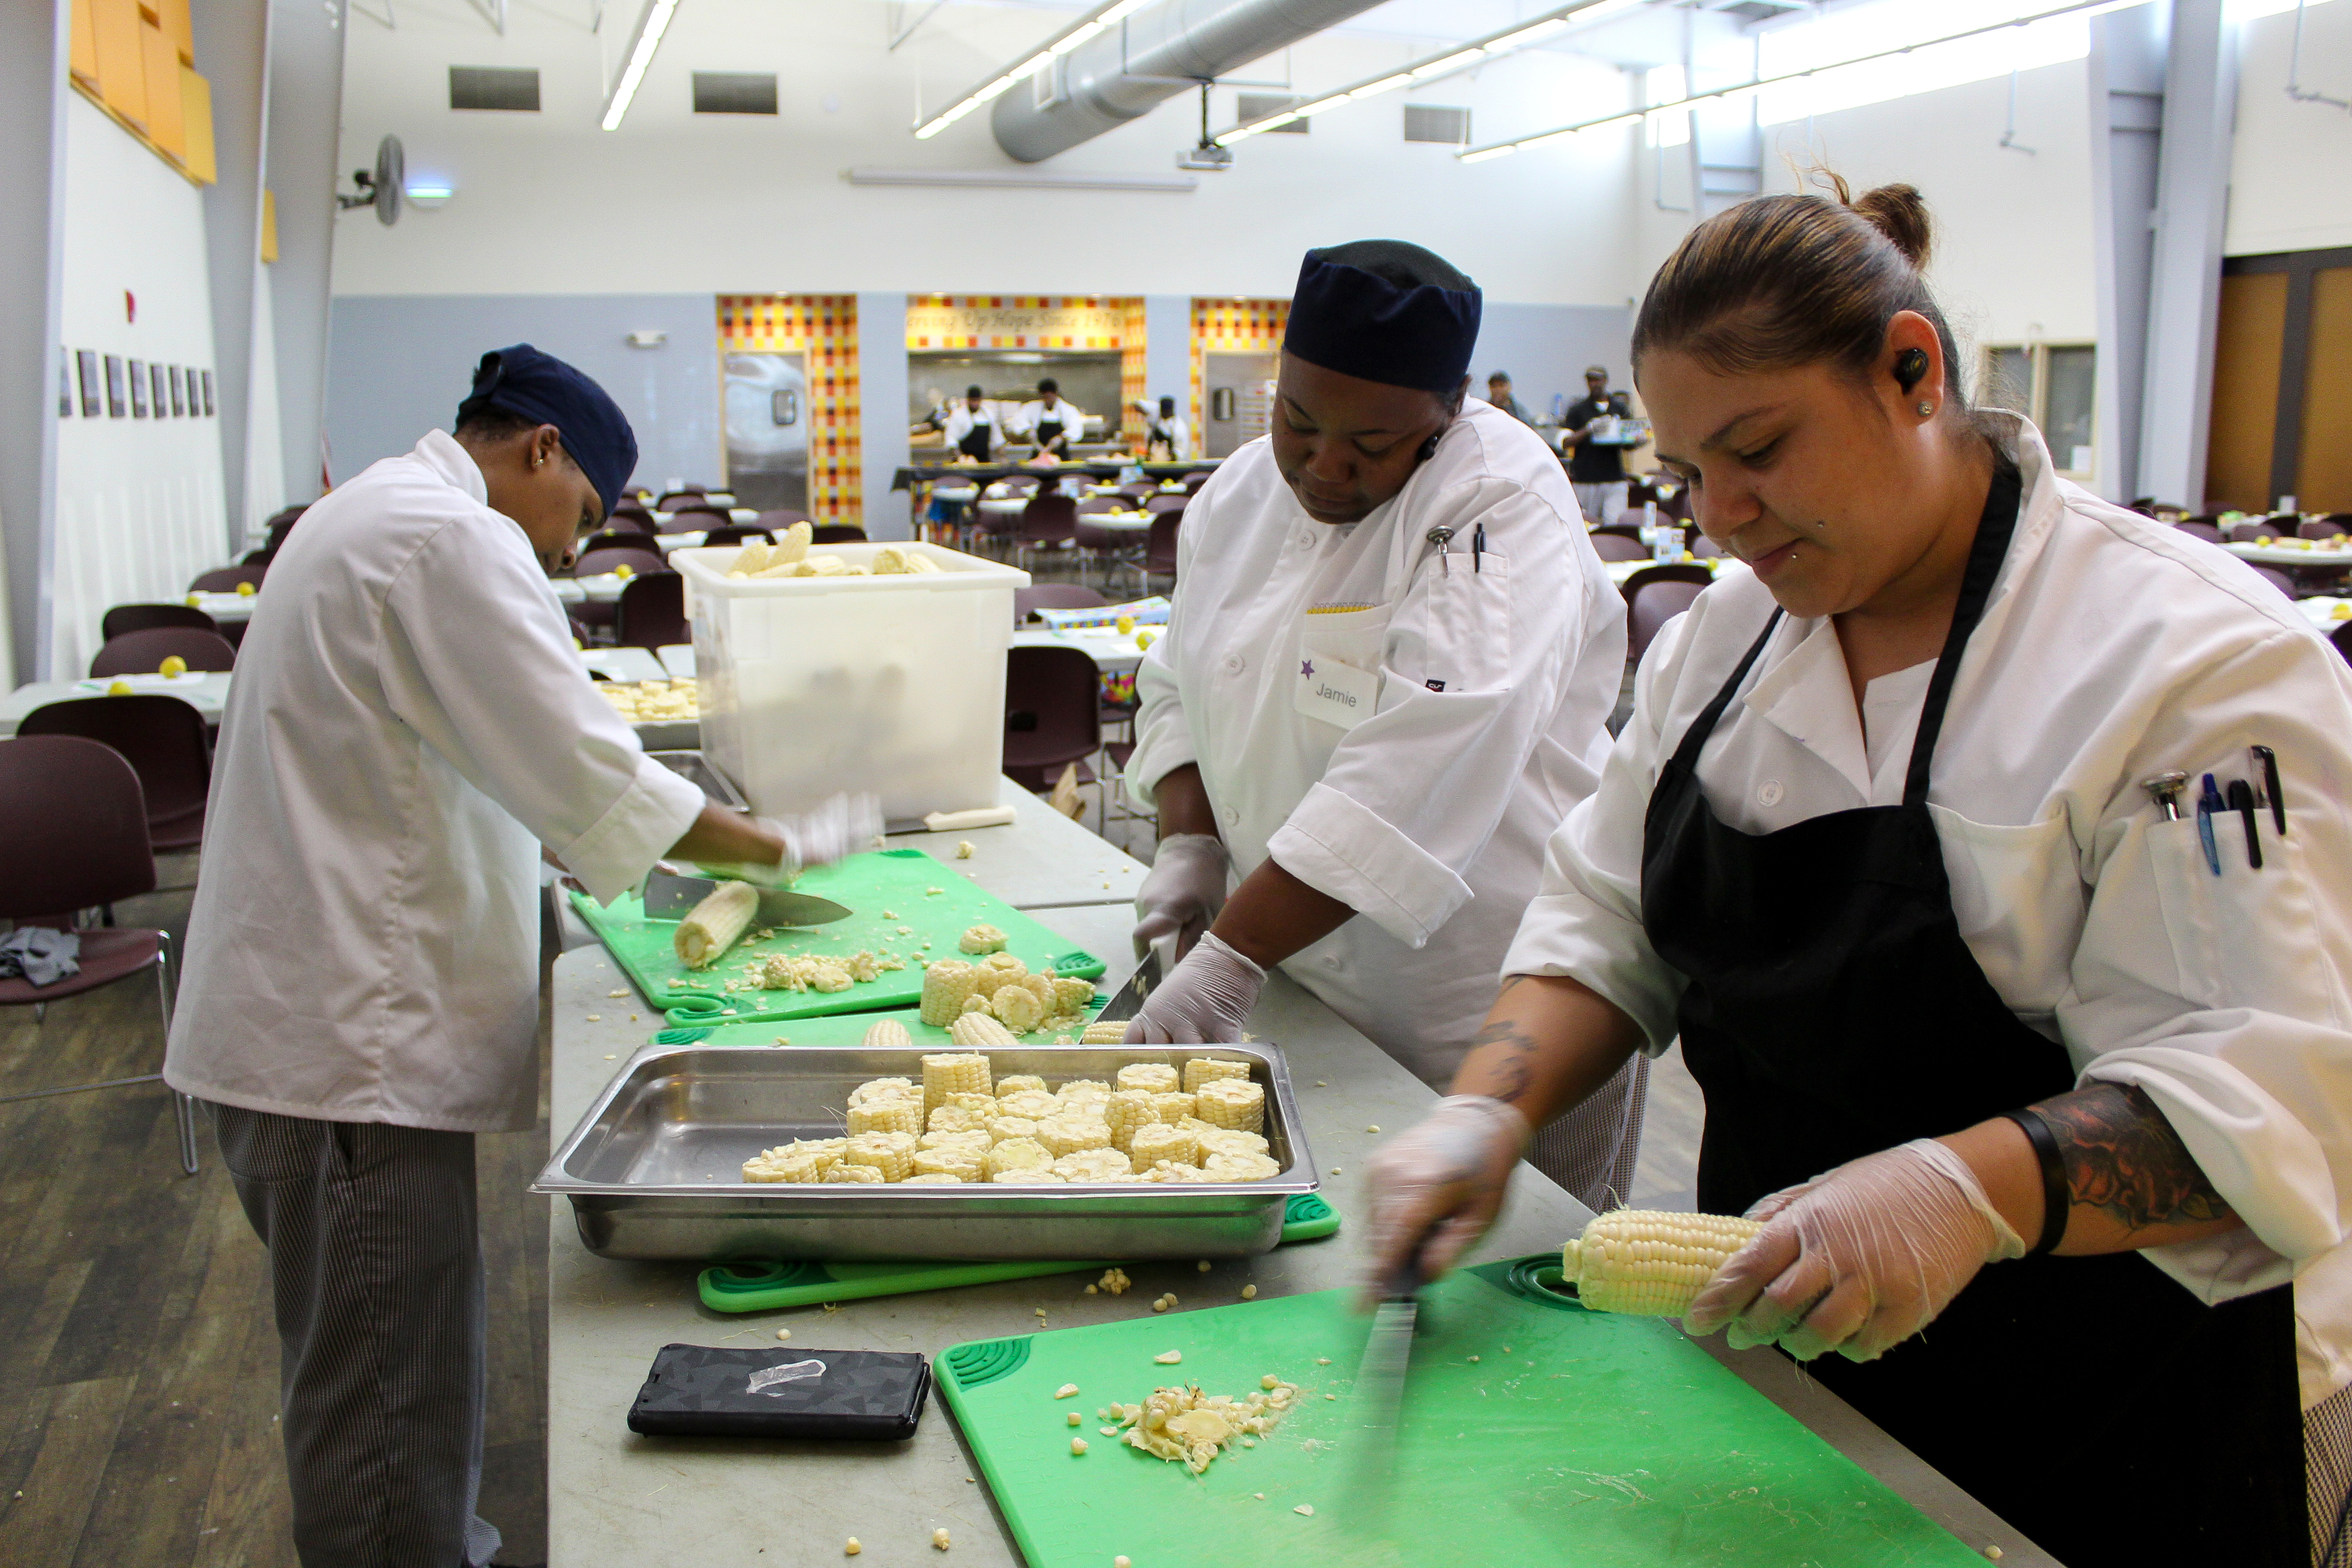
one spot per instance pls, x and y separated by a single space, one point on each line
2208 801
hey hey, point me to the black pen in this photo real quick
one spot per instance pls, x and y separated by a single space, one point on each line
2242 801
2267 760
2208 801
1478 547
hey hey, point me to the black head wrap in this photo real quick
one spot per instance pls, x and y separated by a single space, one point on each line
540 387
1384 311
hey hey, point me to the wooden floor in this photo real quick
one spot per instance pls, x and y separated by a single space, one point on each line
138 1361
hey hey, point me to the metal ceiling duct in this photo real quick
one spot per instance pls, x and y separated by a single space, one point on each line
1127 71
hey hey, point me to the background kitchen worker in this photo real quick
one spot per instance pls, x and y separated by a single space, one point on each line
1597 471
1498 392
972 428
409 726
1052 422
1385 680
1875 844
1166 437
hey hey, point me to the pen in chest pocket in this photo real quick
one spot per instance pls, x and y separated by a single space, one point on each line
2265 763
2208 801
2242 801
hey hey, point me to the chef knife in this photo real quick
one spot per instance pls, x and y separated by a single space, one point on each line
1129 1001
669 897
1380 1380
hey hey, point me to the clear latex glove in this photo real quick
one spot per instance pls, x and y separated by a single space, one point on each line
1860 1259
840 825
1182 895
1436 1187
1202 1002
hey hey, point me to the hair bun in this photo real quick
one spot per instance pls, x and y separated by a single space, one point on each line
1899 213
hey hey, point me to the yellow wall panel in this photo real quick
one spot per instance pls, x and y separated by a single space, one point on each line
84 58
166 123
268 224
2249 333
196 106
180 30
2324 476
122 64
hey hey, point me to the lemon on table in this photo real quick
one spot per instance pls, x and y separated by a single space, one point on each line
195 601
120 689
1143 641
2341 612
623 569
172 665
245 589
1126 625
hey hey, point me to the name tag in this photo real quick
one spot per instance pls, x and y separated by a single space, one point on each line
1333 692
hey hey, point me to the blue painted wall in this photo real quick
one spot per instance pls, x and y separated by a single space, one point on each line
1545 349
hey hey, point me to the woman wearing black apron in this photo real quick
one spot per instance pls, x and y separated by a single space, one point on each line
971 428
1961 994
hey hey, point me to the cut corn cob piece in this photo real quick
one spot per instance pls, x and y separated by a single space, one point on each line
976 1141
750 560
784 1168
1240 1167
1127 1112
1092 1165
953 1119
1014 1083
1063 1135
1041 1176
1232 1102
932 1179
946 984
1651 1261
883 1088
999 1128
1034 1105
887 1034
974 1030
981 939
1103 1033
1014 1154
1174 1107
901 1115
1208 1070
891 1153
1017 1007
1149 1145
1152 1078
1079 1088
952 1072
1072 996
792 544
1225 1139
848 1172
963 1163
715 924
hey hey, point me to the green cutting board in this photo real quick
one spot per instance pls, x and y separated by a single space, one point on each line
825 1030
898 881
1592 1440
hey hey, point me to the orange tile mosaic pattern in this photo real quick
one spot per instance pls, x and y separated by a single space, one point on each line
1133 381
1019 320
1232 327
823 329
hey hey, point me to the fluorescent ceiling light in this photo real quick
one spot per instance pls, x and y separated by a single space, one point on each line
1489 153
1526 36
1319 105
650 28
1452 62
1021 179
1086 26
1386 84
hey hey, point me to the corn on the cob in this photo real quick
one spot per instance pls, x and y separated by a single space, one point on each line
1225 1139
1102 1033
892 1153
945 985
1240 1167
1199 1070
1128 1112
1152 1078
963 1163
886 1115
1072 996
1021 1155
1018 1009
981 939
713 926
883 1088
1030 1104
1651 1261
1232 1102
1040 1177
1146 1146
848 1172
792 544
952 1119
1079 1088
952 1072
1002 1127
784 1168
1174 1107
972 1030
887 1035
975 1141
1091 1165
1014 1083
1066 1134
750 560
932 1179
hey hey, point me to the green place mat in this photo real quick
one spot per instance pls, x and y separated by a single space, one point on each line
1596 1441
895 879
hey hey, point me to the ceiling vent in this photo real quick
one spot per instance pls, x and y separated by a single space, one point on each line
1430 122
493 86
735 92
1259 105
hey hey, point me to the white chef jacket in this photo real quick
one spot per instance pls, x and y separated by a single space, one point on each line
2113 648
1494 688
408 724
1178 434
1074 424
962 419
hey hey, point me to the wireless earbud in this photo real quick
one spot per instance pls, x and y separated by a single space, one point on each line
1910 368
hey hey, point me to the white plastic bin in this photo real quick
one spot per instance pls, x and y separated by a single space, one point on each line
896 685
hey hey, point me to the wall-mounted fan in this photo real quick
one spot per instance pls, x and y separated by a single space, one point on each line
380 187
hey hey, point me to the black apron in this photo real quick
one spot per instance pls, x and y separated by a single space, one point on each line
1834 1010
1049 431
975 442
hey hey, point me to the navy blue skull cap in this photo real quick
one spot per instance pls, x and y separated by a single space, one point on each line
1384 310
539 388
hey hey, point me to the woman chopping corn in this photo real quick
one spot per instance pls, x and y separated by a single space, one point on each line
1993 1040
1386 678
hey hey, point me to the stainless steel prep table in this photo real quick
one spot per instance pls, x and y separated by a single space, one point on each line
615 1501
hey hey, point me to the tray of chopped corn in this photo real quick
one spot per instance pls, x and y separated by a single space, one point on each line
911 910
1532 1432
718 1153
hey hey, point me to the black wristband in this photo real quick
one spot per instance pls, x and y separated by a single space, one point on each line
2056 1197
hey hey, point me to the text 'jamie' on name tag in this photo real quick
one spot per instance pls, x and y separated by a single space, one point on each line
1333 692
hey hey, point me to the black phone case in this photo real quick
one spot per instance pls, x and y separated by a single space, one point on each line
705 1391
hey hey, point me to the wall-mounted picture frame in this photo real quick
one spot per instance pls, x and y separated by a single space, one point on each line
208 394
116 405
179 394
138 379
161 389
93 393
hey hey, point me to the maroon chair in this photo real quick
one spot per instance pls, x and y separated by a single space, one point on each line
1050 522
1659 601
2342 638
1094 506
1166 503
1053 715
1669 572
638 558
1112 546
146 617
1193 482
75 838
651 612
836 534
1160 547
164 740
143 653
2247 532
2325 528
1026 601
1611 545
2275 577
617 539
734 536
1631 517
701 514
1137 493
629 517
2196 529
1706 548
671 500
783 518
224 579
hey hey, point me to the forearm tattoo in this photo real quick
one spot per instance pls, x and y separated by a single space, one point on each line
1515 1073
2123 1157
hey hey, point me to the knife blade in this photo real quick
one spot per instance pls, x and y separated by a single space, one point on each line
669 897
1129 1000
1379 1380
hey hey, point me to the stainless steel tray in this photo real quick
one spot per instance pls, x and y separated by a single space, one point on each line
655 1169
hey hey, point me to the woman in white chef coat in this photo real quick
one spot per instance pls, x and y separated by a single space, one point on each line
1385 679
1990 1038
409 725
971 429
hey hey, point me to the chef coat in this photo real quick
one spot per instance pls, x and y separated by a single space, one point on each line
962 421
1486 693
1065 413
1171 432
2113 647
408 725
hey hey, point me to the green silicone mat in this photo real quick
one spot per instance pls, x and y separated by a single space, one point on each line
896 880
763 1287
1574 1438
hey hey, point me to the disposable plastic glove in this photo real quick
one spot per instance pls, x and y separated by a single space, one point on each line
1860 1259
1440 1183
1202 1002
1183 894
838 827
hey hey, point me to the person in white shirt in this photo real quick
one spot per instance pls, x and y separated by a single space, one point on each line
409 726
1050 422
1386 678
1997 1045
972 429
1167 438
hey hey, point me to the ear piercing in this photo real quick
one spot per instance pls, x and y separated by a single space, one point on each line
1926 410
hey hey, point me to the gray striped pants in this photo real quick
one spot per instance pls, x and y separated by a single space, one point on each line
375 1259
1593 1149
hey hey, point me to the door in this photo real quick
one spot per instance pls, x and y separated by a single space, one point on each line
767 430
1236 401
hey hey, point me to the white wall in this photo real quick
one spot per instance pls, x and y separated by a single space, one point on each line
139 509
2291 175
